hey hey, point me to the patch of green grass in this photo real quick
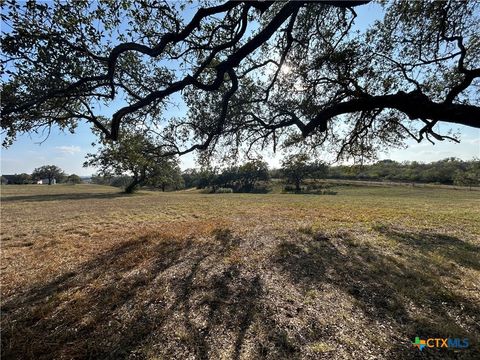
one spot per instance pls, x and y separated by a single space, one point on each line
320 347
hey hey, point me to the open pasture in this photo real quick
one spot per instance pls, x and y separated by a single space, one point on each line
91 273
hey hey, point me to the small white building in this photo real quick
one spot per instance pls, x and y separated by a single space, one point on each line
45 181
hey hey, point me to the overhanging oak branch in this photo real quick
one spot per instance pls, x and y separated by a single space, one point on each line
414 104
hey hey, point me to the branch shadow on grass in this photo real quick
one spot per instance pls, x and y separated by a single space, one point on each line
405 292
446 246
167 298
144 298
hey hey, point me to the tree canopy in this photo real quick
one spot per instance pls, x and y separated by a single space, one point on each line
297 167
49 172
18 179
134 154
74 179
250 73
449 171
242 178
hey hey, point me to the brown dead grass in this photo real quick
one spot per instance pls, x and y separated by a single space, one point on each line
90 273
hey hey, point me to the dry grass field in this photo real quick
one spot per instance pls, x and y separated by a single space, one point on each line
87 272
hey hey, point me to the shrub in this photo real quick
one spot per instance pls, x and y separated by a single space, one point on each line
220 190
224 191
291 188
308 190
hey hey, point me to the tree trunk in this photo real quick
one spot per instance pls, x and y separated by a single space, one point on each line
49 181
133 185
131 188
297 186
136 182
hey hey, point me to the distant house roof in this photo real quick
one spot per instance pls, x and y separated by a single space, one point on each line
9 177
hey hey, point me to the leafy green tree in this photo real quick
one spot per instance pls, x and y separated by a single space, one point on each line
296 168
74 179
121 181
275 173
164 177
318 170
470 176
252 172
251 73
100 179
17 179
134 154
21 179
49 172
190 178
227 177
241 178
208 177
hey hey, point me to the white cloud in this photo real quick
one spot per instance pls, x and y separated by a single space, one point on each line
70 150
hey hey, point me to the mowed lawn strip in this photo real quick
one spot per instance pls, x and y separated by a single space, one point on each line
90 272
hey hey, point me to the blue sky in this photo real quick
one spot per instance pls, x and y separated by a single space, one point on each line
68 150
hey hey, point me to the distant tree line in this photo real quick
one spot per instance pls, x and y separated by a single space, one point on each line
50 173
168 182
128 172
248 177
255 176
450 171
